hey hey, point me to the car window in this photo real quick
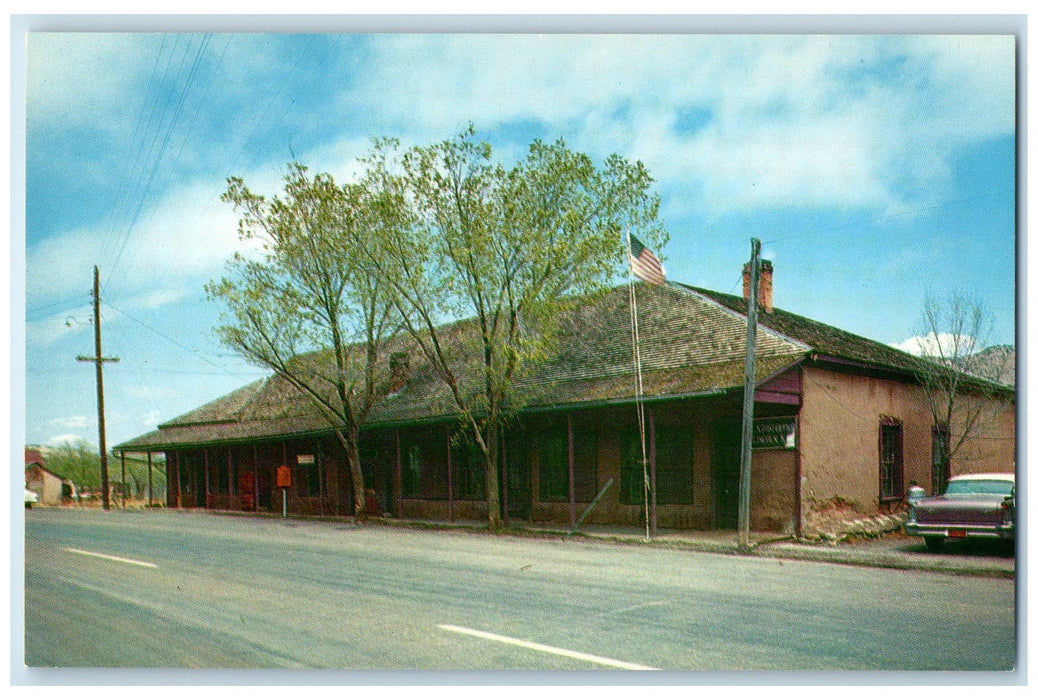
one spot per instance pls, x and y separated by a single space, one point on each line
994 487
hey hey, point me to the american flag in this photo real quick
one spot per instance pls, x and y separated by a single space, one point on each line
644 264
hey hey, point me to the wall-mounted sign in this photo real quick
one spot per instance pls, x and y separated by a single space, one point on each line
775 434
284 477
304 459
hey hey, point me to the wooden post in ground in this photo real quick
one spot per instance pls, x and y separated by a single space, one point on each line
748 393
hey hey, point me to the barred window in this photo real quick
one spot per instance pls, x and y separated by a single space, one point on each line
891 460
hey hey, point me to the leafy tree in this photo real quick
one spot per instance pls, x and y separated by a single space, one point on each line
78 462
963 388
137 476
311 308
508 248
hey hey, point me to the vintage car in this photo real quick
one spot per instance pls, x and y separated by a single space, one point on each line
972 505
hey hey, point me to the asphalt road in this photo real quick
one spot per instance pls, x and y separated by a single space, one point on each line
167 589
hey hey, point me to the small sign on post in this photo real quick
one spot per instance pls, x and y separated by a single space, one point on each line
284 481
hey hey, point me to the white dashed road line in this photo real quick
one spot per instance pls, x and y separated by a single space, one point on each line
109 556
547 649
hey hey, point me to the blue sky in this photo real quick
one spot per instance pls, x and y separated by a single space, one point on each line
874 168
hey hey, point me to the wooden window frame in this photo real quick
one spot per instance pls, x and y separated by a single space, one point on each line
891 460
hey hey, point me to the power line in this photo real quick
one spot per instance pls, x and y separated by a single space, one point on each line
144 139
162 148
133 368
68 302
159 333
148 100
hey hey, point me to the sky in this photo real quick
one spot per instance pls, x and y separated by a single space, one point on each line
875 169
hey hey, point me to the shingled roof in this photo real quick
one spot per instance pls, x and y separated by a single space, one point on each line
826 341
692 342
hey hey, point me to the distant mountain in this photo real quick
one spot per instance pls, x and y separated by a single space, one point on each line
997 363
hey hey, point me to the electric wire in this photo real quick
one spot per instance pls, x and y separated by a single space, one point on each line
142 125
158 100
162 149
174 342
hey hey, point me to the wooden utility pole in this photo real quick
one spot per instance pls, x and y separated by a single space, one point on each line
748 393
98 359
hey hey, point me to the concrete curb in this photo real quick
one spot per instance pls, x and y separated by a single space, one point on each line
825 550
962 566
786 548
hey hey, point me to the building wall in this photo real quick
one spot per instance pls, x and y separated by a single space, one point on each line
840 440
46 485
994 447
773 491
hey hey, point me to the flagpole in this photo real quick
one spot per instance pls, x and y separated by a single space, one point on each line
638 383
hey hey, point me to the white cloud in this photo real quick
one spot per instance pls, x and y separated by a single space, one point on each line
157 298
70 422
60 440
936 345
788 120
62 76
791 120
175 247
150 419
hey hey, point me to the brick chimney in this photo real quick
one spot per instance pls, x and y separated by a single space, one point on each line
763 285
399 369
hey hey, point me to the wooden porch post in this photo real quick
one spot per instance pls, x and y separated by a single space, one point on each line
255 478
450 480
149 479
338 489
194 483
122 459
319 465
172 480
284 462
231 490
652 471
504 480
205 466
570 469
398 481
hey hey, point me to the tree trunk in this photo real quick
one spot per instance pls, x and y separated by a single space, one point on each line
492 482
350 442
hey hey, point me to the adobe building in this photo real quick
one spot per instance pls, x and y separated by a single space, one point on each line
52 489
838 418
